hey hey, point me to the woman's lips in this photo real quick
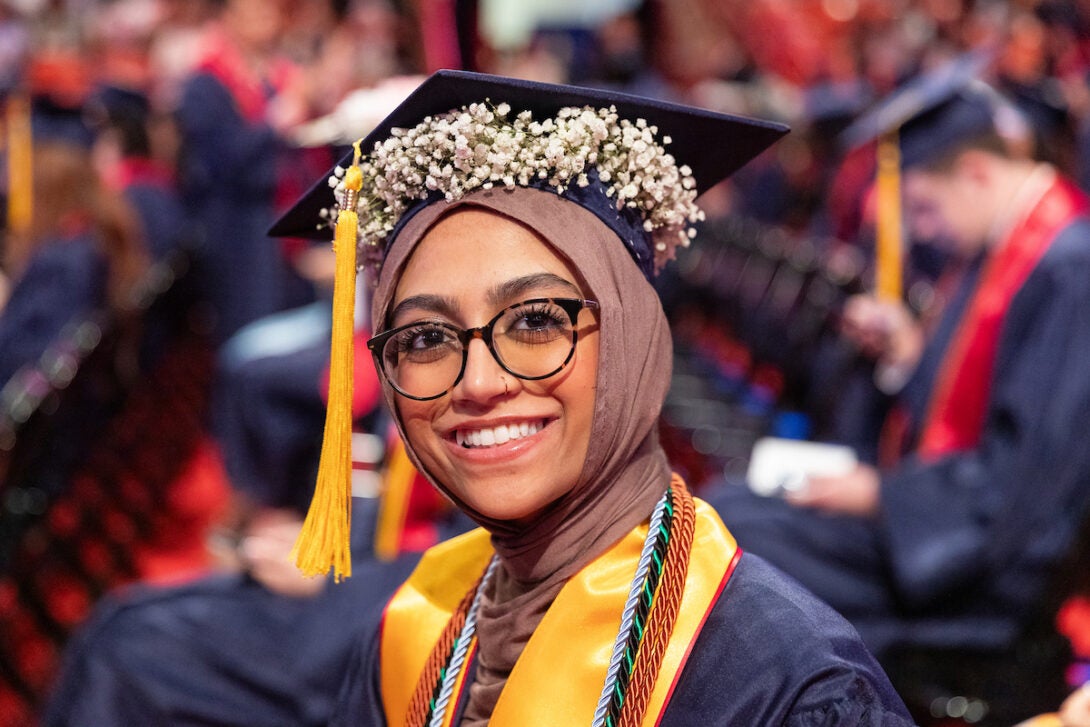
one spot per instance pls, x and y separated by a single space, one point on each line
477 437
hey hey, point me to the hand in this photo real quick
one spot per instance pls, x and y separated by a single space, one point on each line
265 550
854 493
287 110
886 331
1075 711
318 264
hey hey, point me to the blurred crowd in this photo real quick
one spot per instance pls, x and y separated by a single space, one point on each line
310 73
169 135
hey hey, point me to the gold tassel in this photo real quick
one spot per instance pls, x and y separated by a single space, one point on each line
397 488
324 539
888 247
20 165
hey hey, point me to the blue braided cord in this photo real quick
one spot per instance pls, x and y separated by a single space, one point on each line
454 666
628 614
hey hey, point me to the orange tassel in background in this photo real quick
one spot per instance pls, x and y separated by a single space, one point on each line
20 164
888 251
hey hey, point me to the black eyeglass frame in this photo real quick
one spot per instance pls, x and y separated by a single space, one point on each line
571 306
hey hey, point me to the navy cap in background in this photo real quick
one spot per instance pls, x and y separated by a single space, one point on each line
935 111
57 122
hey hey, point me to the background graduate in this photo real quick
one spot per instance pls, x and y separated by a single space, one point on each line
953 545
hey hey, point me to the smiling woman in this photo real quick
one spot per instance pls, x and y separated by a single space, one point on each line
474 260
526 358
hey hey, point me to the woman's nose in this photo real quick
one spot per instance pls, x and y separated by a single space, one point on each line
483 379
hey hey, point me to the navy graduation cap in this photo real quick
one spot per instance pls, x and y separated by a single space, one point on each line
926 119
934 112
713 145
112 105
53 121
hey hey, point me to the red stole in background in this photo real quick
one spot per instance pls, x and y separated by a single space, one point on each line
223 60
955 414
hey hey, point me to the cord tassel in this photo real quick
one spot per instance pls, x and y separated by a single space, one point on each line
888 249
20 165
324 539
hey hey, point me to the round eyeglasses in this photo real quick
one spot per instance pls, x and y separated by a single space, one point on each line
532 340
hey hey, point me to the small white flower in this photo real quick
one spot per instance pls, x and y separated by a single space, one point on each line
477 147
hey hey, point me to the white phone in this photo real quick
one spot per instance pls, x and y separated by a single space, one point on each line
777 465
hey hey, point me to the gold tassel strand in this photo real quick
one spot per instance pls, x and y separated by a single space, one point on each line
888 247
324 539
394 503
20 165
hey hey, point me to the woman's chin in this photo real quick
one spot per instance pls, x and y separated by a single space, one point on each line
498 505
515 512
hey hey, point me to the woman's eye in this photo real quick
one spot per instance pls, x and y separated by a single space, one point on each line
422 338
538 320
538 324
428 338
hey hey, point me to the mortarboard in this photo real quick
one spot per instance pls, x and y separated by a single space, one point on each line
933 112
56 122
688 151
714 145
125 111
111 104
926 119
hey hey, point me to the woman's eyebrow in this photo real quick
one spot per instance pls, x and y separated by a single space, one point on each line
498 295
509 290
427 303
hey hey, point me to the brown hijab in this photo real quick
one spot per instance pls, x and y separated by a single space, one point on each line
625 472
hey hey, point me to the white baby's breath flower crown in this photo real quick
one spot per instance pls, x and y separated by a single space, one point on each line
479 147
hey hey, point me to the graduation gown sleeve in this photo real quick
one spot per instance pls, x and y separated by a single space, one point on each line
222 650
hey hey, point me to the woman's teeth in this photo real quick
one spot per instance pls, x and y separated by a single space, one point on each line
496 435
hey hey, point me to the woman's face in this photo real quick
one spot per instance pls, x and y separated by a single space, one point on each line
469 266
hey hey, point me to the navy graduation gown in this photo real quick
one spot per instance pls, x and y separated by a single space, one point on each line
162 216
769 654
224 650
64 281
964 544
228 178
